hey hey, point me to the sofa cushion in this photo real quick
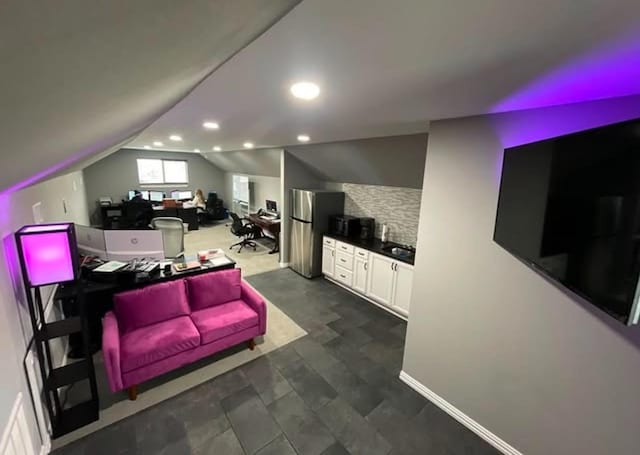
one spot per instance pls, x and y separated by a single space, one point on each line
222 320
155 342
214 288
151 304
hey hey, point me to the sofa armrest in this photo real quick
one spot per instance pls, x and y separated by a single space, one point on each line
111 351
251 297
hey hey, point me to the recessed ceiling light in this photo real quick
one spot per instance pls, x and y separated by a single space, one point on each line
217 148
303 138
158 144
211 125
175 137
305 90
147 147
196 150
248 145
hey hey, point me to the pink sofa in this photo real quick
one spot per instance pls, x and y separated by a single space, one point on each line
162 327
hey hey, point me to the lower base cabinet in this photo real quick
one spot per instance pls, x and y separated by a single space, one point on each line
379 278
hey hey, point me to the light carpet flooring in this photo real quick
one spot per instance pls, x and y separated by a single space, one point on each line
281 330
219 236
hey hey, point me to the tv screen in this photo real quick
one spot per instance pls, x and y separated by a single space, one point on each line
570 208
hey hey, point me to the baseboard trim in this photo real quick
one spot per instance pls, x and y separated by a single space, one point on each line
283 265
460 416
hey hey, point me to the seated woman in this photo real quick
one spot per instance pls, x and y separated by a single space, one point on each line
199 201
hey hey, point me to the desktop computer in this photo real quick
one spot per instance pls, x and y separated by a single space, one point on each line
91 241
145 194
156 196
272 207
184 195
124 245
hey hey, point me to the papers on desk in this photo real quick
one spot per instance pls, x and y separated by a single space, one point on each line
222 260
111 266
182 266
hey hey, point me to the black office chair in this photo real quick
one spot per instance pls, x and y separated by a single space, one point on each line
247 232
137 215
214 209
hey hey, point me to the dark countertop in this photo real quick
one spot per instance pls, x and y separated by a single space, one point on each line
374 245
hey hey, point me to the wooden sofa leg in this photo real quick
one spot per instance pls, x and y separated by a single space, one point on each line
133 392
252 344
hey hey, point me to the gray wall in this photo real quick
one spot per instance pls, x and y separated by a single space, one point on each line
398 207
390 161
15 328
118 173
251 162
535 365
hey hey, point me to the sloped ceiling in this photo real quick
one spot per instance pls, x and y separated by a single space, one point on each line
79 77
253 162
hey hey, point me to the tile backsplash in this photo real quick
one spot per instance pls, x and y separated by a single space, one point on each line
398 207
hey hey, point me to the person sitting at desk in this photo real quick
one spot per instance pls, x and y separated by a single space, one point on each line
143 211
198 200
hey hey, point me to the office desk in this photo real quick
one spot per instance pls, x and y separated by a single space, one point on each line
110 216
270 225
99 297
187 215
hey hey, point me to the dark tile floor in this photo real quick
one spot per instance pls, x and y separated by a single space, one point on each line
335 391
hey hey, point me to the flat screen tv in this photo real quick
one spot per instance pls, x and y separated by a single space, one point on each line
569 207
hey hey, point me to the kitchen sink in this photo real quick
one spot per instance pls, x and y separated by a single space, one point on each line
400 251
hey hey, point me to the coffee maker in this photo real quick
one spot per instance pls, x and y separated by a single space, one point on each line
367 228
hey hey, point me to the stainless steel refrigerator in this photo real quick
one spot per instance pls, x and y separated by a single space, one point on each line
310 212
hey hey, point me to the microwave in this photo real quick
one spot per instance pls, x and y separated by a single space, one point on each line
344 225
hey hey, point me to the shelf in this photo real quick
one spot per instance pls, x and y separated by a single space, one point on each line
75 417
60 328
68 374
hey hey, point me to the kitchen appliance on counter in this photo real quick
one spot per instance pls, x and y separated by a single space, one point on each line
310 212
367 228
344 225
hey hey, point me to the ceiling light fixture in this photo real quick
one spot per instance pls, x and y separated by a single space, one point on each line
211 125
147 147
303 138
217 148
305 90
248 145
175 137
158 144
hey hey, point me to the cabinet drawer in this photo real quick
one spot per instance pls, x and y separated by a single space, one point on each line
362 254
341 246
344 276
329 241
344 260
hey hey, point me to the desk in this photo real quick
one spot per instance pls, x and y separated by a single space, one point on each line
99 297
110 216
187 215
270 225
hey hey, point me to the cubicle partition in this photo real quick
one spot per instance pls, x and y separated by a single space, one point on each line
120 245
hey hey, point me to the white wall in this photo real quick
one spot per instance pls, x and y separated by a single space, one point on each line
15 329
261 187
535 365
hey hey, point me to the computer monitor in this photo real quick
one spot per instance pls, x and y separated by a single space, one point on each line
156 196
184 195
131 194
272 206
124 245
91 241
145 195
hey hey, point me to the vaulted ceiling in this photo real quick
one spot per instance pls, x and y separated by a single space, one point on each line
79 77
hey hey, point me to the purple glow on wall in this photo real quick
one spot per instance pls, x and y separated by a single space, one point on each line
47 257
611 70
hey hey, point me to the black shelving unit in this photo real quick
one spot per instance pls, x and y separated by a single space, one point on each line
63 420
48 255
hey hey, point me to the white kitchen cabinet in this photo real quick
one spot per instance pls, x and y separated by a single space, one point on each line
328 260
380 279
402 288
360 272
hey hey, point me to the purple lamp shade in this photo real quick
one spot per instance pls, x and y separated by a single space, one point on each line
48 255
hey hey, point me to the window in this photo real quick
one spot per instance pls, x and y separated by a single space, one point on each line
153 171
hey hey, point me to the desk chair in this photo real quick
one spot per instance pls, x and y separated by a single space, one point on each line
214 209
247 232
172 235
137 215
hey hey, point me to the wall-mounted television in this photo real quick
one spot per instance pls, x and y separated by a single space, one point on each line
569 207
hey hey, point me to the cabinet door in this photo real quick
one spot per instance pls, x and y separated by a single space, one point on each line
402 287
360 274
328 260
380 283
